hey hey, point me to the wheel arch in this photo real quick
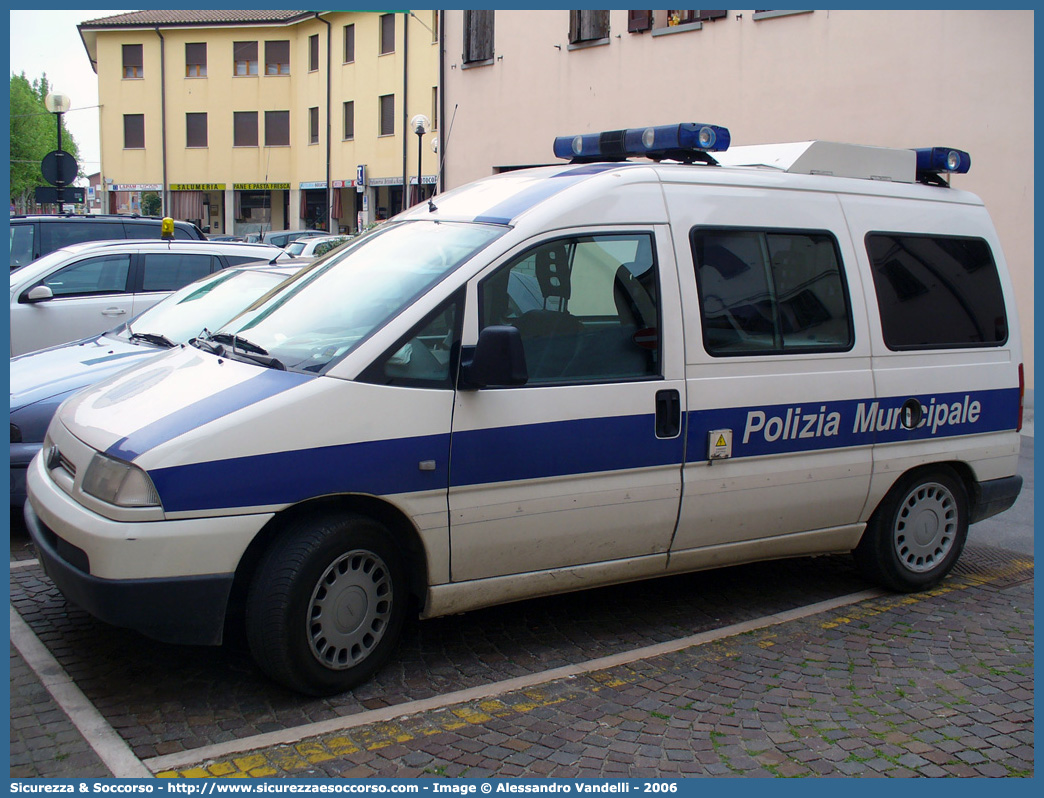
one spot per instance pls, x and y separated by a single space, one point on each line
402 530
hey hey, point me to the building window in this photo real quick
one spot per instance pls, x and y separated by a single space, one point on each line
132 61
387 33
195 130
244 128
478 36
313 53
245 55
134 131
387 111
588 26
313 125
349 44
277 128
349 120
277 57
434 107
196 60
434 26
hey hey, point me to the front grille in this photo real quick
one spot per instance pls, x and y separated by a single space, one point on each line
67 465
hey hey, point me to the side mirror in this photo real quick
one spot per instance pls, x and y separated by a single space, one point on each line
497 360
38 293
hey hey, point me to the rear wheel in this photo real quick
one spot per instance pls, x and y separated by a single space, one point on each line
327 603
916 535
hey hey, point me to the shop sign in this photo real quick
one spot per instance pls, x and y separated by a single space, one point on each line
313 184
343 183
385 181
136 187
197 186
426 180
261 186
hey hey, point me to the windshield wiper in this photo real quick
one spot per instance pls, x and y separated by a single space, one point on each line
238 343
153 338
247 350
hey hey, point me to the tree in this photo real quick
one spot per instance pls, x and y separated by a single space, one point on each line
151 204
33 135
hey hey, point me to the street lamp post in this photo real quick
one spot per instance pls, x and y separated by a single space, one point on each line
64 167
421 125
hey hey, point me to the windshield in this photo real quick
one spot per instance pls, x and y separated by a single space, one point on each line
352 292
295 247
206 303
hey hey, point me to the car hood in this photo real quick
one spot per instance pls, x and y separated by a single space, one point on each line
37 376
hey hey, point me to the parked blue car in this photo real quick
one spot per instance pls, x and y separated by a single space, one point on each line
40 381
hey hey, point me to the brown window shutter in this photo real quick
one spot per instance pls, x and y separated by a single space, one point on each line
638 21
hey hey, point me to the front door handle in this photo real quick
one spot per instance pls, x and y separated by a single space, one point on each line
114 312
668 413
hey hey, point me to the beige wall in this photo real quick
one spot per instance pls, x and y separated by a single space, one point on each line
887 78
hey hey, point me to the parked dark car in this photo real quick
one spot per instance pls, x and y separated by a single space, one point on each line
34 236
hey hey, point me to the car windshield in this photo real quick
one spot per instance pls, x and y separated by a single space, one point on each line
295 248
209 302
352 292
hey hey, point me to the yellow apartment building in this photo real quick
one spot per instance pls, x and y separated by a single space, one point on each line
249 121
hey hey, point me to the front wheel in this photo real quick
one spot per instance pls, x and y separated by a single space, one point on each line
916 535
326 605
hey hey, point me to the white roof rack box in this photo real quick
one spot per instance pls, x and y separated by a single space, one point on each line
827 158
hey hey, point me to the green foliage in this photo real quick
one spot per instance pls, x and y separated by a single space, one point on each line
34 133
151 204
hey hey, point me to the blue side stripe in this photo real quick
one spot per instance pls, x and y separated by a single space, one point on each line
535 451
521 202
266 384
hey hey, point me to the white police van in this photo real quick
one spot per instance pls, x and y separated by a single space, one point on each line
554 379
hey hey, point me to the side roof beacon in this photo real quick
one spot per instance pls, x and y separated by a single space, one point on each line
687 141
933 161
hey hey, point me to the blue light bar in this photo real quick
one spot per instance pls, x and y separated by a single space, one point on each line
942 159
662 141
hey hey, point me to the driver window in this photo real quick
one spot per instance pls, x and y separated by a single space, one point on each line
586 307
426 357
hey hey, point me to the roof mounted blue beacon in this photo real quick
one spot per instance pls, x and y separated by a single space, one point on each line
687 142
935 161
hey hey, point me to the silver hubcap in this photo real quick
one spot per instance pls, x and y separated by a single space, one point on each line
349 610
925 527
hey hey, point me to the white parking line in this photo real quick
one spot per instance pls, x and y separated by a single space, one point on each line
107 744
298 733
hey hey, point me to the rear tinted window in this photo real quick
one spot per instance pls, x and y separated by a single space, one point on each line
54 235
168 271
21 244
937 291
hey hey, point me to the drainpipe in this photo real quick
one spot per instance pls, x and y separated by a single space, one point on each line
440 158
164 199
405 114
329 126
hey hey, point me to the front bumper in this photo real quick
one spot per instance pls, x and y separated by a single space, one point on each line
188 610
169 580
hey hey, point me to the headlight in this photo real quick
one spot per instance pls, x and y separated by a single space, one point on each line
119 483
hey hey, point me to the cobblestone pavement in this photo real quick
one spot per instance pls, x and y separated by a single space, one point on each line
43 740
933 684
936 684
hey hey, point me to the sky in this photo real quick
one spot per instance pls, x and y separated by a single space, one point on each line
48 42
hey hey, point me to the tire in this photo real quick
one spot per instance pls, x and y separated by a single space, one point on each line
917 533
326 605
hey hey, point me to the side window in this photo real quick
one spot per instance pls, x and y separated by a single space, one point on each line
237 260
427 356
61 233
168 271
21 244
587 308
770 292
951 281
102 275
